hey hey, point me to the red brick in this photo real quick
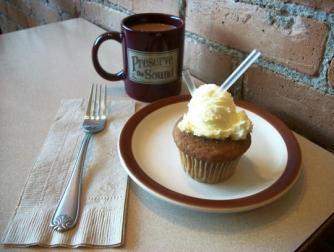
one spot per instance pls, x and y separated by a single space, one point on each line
325 5
102 15
16 15
244 27
31 22
331 74
23 5
72 7
3 7
163 6
205 64
40 9
307 111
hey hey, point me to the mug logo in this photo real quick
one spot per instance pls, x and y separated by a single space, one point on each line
152 67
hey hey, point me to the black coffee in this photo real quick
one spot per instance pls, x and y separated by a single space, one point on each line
152 27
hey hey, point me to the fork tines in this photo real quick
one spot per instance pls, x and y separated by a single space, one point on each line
96 107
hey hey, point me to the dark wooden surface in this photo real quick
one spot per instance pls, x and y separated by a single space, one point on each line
322 239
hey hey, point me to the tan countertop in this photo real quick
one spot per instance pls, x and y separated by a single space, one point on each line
41 66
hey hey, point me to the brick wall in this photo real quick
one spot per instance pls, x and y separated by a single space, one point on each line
294 79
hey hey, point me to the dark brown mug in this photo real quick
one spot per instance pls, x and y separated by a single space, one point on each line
152 55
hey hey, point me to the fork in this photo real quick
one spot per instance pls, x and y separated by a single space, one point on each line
66 214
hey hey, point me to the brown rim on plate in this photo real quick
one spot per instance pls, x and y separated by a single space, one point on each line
278 188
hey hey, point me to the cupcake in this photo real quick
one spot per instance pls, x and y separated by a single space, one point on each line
212 135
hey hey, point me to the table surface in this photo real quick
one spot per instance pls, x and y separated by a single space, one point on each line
42 65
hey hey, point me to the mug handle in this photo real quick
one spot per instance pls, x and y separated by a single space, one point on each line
99 40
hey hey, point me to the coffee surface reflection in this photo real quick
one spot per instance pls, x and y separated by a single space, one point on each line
152 27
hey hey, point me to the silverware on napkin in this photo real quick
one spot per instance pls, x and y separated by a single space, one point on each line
66 214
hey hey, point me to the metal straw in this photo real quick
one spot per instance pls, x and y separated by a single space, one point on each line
187 78
251 58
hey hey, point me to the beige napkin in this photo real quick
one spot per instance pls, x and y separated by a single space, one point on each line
104 189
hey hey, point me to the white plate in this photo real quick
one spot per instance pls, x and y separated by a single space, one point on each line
265 172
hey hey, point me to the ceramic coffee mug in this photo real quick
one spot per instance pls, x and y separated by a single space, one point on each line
152 55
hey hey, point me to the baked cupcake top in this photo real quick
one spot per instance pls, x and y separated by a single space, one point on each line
212 114
209 149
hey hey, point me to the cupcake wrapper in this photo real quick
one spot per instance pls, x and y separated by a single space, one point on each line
208 171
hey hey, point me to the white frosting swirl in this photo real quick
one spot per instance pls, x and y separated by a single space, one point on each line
212 114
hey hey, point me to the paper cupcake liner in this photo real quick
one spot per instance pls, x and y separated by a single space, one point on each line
208 171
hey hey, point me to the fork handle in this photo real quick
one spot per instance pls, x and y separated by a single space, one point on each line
66 214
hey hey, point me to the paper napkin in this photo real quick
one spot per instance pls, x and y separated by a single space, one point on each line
104 188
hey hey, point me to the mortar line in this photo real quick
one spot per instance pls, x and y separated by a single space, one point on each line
328 55
182 8
114 6
293 9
